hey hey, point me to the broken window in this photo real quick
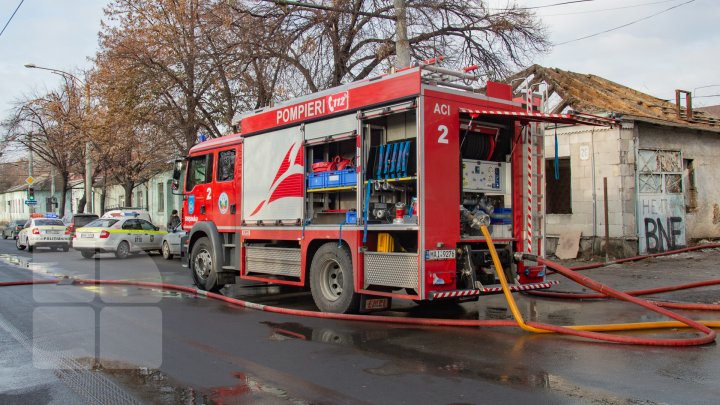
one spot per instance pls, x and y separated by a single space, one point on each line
660 172
557 188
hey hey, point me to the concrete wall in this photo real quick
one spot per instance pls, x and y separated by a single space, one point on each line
703 147
596 153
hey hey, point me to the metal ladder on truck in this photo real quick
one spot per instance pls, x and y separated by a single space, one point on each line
534 172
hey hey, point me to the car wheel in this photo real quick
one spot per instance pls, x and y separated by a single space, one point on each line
202 266
30 247
18 245
331 280
123 250
88 254
166 251
4 236
66 248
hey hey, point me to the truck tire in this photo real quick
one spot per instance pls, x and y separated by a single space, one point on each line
166 251
88 254
331 280
202 266
123 250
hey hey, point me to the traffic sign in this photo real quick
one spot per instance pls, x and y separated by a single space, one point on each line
30 180
30 202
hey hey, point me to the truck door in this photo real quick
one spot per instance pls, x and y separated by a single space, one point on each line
198 185
226 188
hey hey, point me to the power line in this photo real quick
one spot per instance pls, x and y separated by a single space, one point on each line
554 4
625 25
11 17
610 9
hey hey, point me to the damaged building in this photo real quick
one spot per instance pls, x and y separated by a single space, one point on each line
660 166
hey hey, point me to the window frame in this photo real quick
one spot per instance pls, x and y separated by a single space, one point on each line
189 186
219 160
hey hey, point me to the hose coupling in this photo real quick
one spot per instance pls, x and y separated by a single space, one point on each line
520 256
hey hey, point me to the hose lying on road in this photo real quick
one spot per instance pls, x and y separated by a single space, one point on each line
657 290
584 331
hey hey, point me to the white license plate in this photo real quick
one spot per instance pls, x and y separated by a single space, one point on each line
87 235
51 232
440 254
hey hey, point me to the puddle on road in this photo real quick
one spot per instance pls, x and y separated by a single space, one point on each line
406 350
24 262
154 386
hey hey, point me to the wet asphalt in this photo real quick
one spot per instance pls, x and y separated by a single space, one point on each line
72 344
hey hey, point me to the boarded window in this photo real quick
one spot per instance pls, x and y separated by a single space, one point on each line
557 190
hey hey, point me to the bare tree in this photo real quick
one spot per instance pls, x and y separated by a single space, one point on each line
354 39
48 126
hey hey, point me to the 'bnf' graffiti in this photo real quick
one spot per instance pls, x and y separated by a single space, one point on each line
661 237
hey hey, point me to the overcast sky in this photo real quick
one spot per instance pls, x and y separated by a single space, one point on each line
677 49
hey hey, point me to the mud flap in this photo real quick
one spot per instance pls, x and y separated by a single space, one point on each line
373 303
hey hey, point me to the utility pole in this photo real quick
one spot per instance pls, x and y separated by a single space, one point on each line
88 159
402 45
30 168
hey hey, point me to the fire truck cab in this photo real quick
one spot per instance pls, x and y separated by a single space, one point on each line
374 190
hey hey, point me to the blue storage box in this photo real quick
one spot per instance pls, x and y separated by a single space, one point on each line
349 177
334 179
317 180
351 217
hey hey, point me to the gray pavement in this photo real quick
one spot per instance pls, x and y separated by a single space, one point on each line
87 344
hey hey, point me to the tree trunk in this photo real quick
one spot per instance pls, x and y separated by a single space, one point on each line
128 187
63 186
81 205
103 195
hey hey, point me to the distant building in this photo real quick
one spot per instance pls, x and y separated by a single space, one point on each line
662 166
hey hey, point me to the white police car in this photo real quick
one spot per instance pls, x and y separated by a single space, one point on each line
44 231
120 235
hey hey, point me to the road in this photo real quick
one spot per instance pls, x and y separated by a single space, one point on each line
69 344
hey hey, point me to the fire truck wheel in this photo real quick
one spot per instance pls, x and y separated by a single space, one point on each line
123 250
201 264
331 280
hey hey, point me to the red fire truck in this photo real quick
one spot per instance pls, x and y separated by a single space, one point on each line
373 190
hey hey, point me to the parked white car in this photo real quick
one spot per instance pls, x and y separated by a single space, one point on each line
171 242
44 232
122 236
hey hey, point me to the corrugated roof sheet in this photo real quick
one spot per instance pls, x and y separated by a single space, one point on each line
594 94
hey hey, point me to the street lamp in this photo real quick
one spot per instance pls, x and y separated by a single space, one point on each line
88 145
